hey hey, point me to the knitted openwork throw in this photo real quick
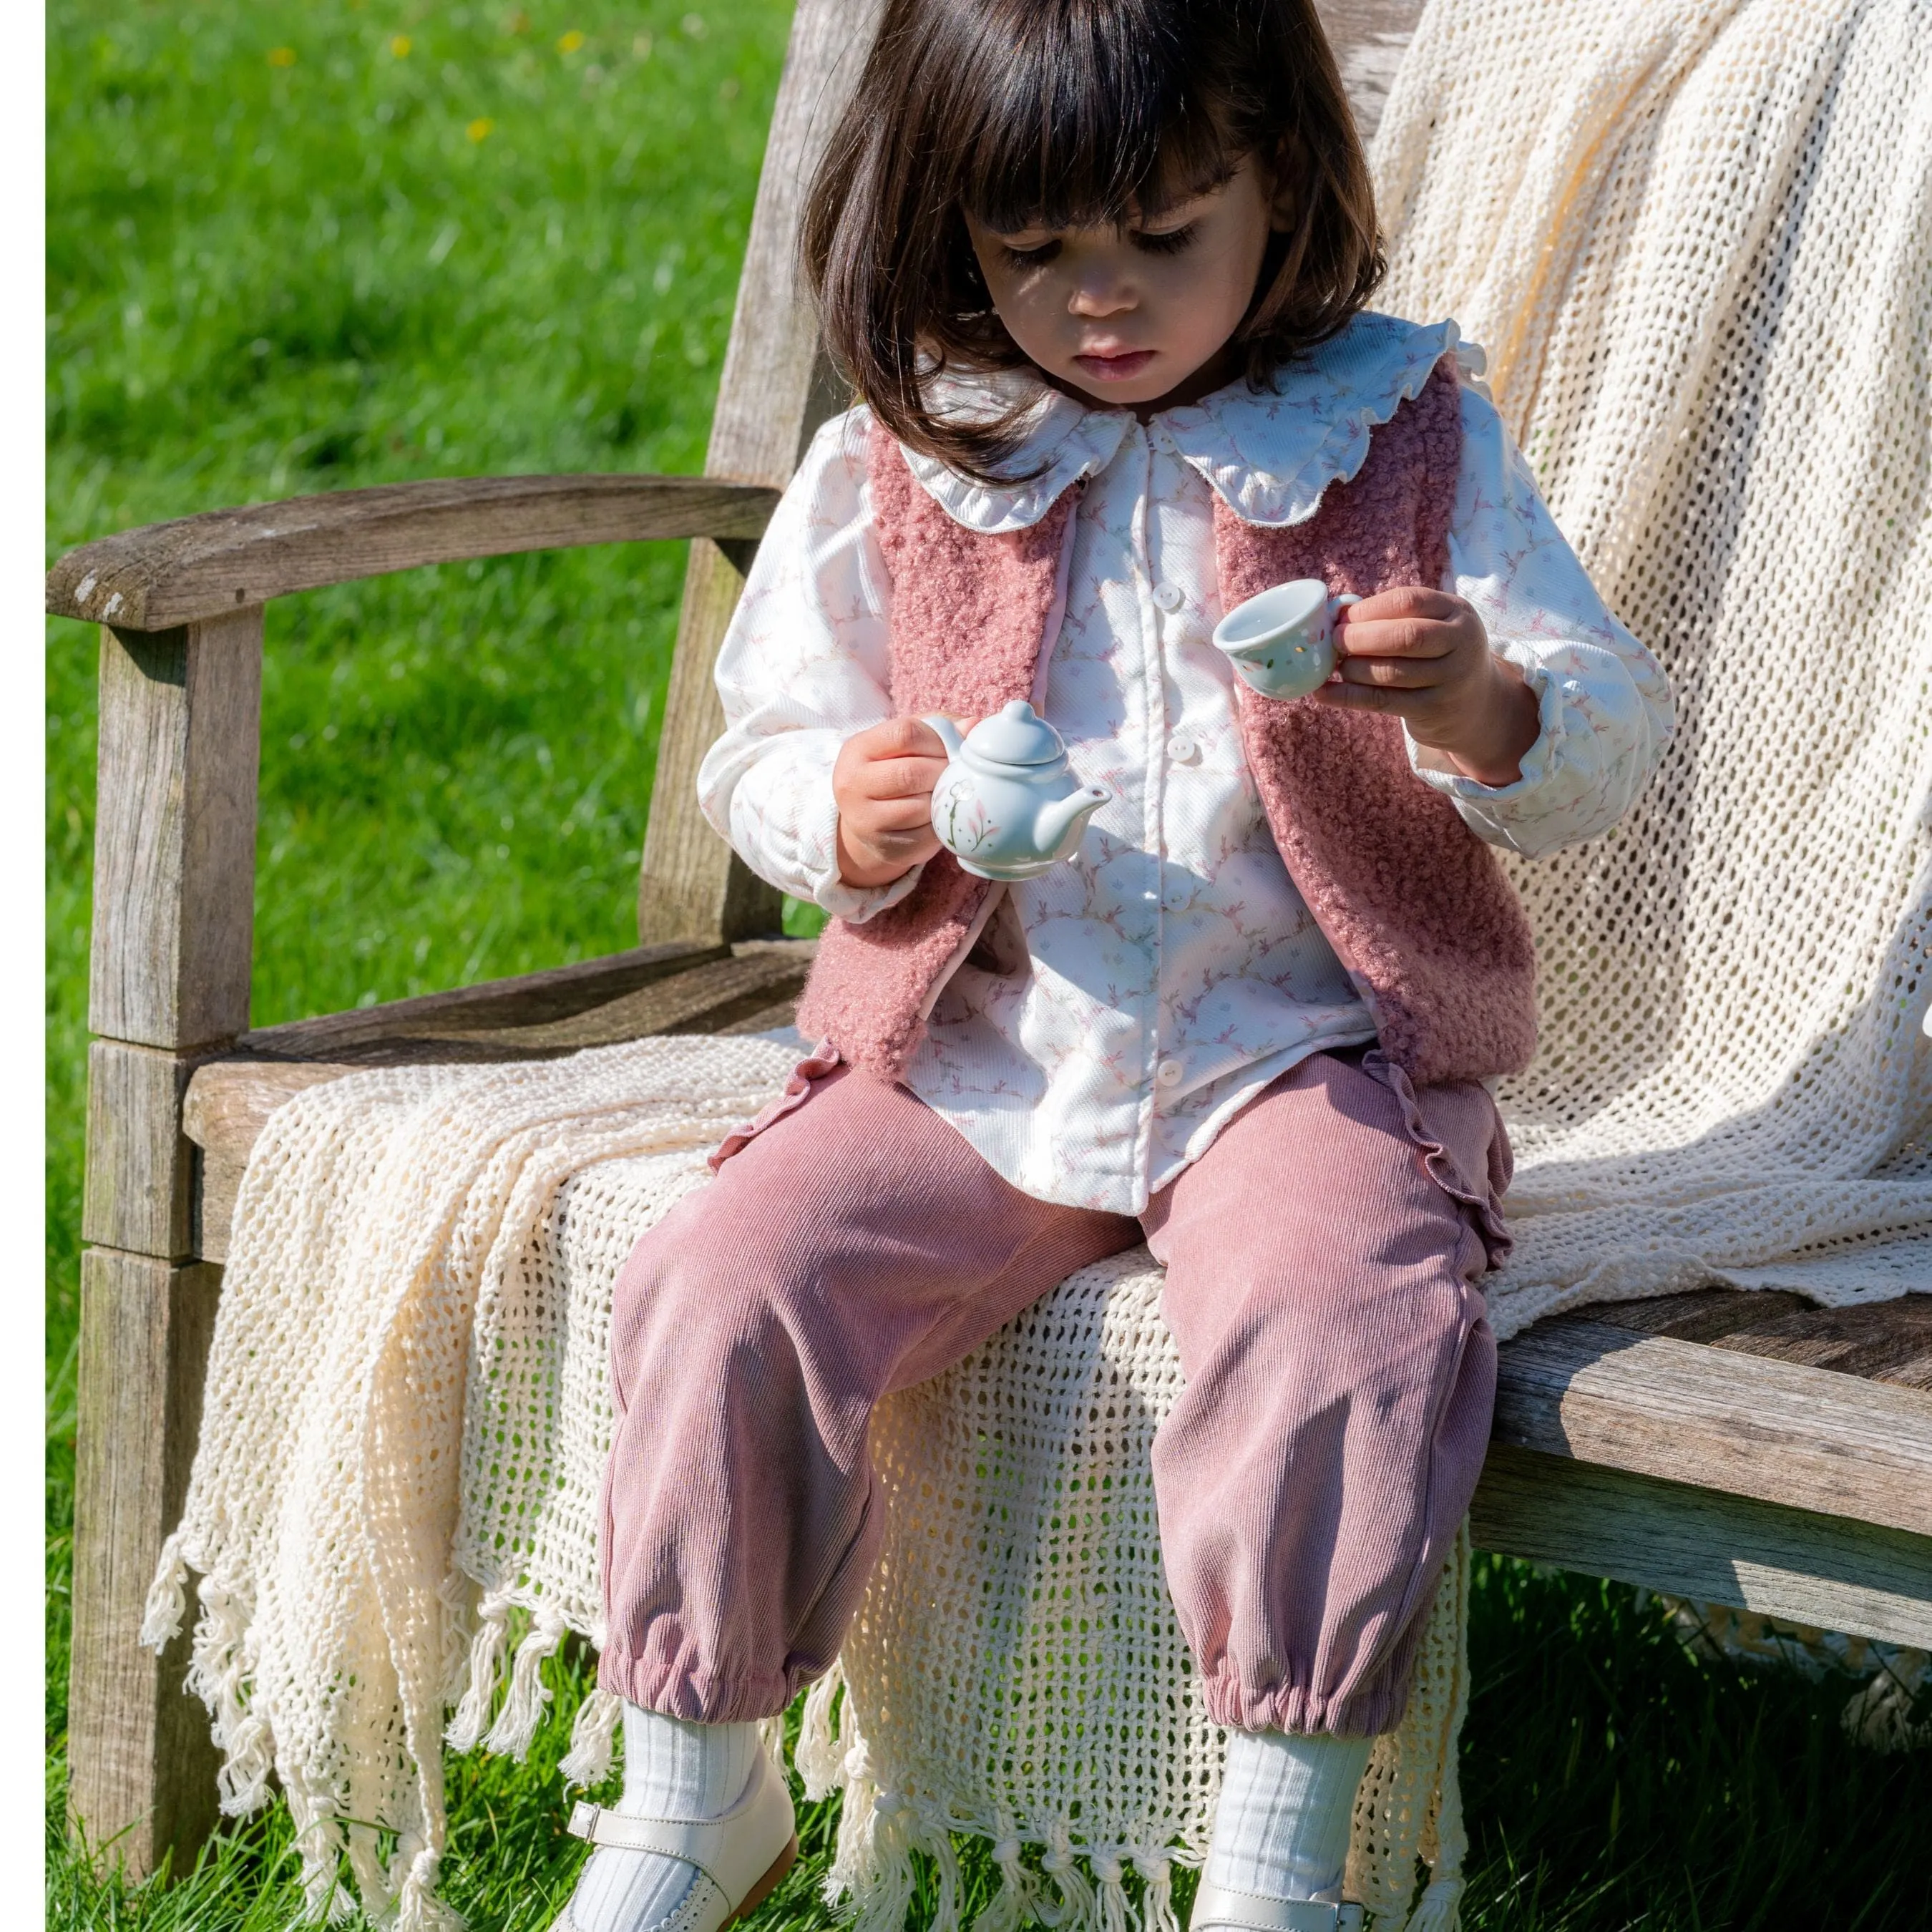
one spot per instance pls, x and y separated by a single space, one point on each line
407 1421
1695 238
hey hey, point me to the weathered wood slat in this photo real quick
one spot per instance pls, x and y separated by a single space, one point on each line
1691 1541
139 1167
530 999
712 992
142 1768
174 835
1368 37
1885 1341
205 566
1805 1438
775 390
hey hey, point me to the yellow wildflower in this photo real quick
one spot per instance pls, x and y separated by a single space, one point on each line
400 46
569 43
281 56
478 130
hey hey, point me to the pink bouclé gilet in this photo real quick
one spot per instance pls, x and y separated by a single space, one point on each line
1415 905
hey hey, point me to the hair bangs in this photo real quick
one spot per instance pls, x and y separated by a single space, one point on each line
1084 116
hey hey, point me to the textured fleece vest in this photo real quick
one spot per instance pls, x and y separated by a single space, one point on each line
1414 903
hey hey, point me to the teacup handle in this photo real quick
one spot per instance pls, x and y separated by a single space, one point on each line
1347 598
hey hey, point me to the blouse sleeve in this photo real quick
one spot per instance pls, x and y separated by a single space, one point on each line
802 666
1605 708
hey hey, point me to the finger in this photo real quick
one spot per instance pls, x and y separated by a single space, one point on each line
899 737
1392 673
1405 600
1363 698
899 815
1399 637
897 777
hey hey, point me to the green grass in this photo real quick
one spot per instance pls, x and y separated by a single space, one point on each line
281 262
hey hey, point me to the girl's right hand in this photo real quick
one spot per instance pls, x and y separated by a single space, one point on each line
883 781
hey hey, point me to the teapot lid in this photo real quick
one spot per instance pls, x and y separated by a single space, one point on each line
1017 735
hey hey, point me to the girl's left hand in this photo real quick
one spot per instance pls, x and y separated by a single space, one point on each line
1423 655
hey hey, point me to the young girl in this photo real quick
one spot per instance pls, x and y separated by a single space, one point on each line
1098 270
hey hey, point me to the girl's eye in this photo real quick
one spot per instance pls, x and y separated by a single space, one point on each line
1167 241
1035 257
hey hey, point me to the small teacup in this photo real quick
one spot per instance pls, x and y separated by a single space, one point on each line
1282 642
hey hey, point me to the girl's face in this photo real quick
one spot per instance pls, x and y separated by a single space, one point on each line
1140 316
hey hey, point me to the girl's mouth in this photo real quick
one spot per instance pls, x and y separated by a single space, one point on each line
1114 365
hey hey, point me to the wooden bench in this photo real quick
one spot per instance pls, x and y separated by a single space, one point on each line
1750 1449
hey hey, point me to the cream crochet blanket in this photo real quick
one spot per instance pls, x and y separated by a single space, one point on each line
1697 239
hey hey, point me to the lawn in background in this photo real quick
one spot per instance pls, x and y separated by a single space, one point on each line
296 248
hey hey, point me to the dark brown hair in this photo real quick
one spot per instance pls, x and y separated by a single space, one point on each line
1067 113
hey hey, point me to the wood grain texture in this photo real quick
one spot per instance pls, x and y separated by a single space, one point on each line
1882 1341
174 835
206 566
1693 1542
139 1167
713 986
1368 37
773 376
1805 1438
777 387
691 886
142 1768
530 999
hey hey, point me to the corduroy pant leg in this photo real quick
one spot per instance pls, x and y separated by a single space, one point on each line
1340 1377
856 1245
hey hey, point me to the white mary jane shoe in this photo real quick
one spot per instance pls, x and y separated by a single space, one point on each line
743 1854
1220 1905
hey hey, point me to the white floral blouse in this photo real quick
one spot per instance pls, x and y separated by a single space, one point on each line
1172 969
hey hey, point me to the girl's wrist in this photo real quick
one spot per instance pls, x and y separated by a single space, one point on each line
1507 727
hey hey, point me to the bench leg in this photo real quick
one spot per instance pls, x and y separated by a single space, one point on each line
174 858
141 1767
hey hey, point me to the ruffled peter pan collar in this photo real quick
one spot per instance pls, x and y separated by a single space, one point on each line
1269 454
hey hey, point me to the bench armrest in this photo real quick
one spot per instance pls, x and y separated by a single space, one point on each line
197 567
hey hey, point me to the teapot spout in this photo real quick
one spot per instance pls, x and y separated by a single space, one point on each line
1061 820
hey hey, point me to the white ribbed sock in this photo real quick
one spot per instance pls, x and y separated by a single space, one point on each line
1281 1829
672 1769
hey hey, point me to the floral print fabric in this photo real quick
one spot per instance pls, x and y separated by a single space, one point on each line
1156 983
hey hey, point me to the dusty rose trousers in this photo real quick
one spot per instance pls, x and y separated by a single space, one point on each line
1320 1288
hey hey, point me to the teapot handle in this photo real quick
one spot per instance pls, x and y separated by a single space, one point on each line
949 733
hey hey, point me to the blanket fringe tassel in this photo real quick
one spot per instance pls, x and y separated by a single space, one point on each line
1440 1907
818 1755
466 1729
593 1738
523 1704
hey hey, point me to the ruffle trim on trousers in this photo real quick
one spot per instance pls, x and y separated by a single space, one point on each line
824 1059
1459 1133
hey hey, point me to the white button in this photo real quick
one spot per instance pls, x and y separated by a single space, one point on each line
1181 748
1168 1073
1168 596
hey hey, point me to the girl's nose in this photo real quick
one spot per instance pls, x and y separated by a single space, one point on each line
1096 296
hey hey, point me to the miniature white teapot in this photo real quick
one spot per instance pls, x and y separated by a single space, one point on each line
1009 806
